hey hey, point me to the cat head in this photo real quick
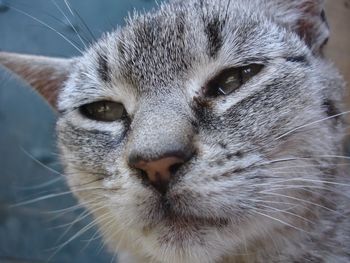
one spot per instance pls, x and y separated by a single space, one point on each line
195 126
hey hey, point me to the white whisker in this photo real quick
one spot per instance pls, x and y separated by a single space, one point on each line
79 233
301 200
49 27
51 196
39 162
311 123
281 221
289 213
70 23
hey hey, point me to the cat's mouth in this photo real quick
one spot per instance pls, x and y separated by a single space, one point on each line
166 214
180 221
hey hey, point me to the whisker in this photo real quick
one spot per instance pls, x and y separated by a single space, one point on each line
277 249
281 221
70 23
39 162
69 226
47 26
98 235
68 7
327 156
81 217
42 185
315 193
314 181
79 233
80 205
62 213
330 165
311 123
52 196
81 20
306 158
301 200
86 183
289 213
292 205
105 240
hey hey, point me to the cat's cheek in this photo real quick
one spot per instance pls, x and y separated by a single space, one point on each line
90 149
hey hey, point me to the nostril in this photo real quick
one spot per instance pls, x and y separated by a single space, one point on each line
174 168
158 172
141 174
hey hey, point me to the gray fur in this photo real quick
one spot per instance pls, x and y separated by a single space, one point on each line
264 183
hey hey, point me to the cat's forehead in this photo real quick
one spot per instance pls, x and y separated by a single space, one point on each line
163 48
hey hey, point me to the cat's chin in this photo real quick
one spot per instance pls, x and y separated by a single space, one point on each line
165 218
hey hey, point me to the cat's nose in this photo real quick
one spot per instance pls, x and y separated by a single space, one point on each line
158 172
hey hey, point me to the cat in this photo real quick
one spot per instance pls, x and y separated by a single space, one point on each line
206 131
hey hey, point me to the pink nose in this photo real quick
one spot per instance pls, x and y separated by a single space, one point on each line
159 172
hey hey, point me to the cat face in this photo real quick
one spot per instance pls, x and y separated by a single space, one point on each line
237 148
197 127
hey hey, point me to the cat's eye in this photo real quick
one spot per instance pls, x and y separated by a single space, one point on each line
106 111
231 79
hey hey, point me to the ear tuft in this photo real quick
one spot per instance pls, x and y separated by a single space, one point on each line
45 74
305 17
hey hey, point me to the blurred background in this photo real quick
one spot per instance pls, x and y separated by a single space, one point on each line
40 228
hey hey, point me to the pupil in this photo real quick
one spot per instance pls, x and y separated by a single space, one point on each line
103 108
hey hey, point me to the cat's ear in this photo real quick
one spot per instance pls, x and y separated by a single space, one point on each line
45 74
305 17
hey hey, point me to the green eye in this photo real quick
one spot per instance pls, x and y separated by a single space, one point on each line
106 111
231 79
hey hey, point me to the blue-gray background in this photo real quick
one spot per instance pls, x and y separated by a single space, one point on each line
33 232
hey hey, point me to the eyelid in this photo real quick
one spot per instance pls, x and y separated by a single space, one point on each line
219 84
80 103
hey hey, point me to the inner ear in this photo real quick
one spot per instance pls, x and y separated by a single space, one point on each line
45 74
